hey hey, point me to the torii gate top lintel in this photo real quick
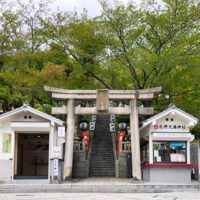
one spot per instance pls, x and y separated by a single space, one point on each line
102 97
143 94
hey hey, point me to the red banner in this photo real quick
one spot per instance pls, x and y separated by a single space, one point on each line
86 138
120 137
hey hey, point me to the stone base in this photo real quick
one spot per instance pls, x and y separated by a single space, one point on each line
80 165
125 165
167 173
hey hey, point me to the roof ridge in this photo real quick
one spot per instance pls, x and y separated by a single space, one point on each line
33 110
170 107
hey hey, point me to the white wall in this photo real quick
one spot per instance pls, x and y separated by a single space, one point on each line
177 121
5 127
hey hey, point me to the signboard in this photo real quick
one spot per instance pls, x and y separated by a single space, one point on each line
55 167
187 135
92 126
176 157
6 143
61 131
169 127
57 153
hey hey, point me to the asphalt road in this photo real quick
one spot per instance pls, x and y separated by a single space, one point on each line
100 196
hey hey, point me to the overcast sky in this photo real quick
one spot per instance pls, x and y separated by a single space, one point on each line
92 6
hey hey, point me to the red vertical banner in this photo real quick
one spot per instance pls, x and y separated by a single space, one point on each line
120 137
86 138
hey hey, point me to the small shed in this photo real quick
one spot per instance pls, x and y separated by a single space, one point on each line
165 146
27 137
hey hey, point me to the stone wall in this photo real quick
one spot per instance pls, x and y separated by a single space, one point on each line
80 166
125 165
194 158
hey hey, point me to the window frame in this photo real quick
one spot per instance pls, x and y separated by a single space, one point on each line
166 141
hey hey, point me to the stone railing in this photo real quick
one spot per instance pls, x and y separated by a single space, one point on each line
79 146
125 146
90 145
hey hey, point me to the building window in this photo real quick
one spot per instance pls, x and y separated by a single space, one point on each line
169 151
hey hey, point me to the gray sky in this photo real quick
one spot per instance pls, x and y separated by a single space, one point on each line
92 6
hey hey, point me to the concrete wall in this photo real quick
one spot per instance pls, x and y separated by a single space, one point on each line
194 158
170 174
5 170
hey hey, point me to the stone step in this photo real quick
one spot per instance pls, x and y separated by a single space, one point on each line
102 156
100 160
101 185
103 174
101 152
99 163
102 169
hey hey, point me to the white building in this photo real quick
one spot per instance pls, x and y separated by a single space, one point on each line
27 137
165 150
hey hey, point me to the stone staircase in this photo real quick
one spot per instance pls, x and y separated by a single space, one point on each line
102 162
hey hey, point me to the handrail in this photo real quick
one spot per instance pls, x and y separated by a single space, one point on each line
125 146
114 145
79 146
90 146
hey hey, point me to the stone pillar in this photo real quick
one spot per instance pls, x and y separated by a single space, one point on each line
135 140
117 168
150 149
51 144
69 140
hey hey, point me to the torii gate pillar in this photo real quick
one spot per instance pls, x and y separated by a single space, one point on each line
135 140
68 161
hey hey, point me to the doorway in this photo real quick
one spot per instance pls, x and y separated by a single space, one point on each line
32 156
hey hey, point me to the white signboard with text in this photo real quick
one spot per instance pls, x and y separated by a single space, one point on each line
57 152
61 131
55 167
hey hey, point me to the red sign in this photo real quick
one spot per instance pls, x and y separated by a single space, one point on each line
156 126
120 137
86 138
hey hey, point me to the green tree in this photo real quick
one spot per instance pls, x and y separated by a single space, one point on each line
155 45
79 38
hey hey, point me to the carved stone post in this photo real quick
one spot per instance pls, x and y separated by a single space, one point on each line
69 139
135 140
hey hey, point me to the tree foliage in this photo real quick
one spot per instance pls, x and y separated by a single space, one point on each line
126 47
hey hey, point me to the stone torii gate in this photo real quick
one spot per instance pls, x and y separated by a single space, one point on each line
102 97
